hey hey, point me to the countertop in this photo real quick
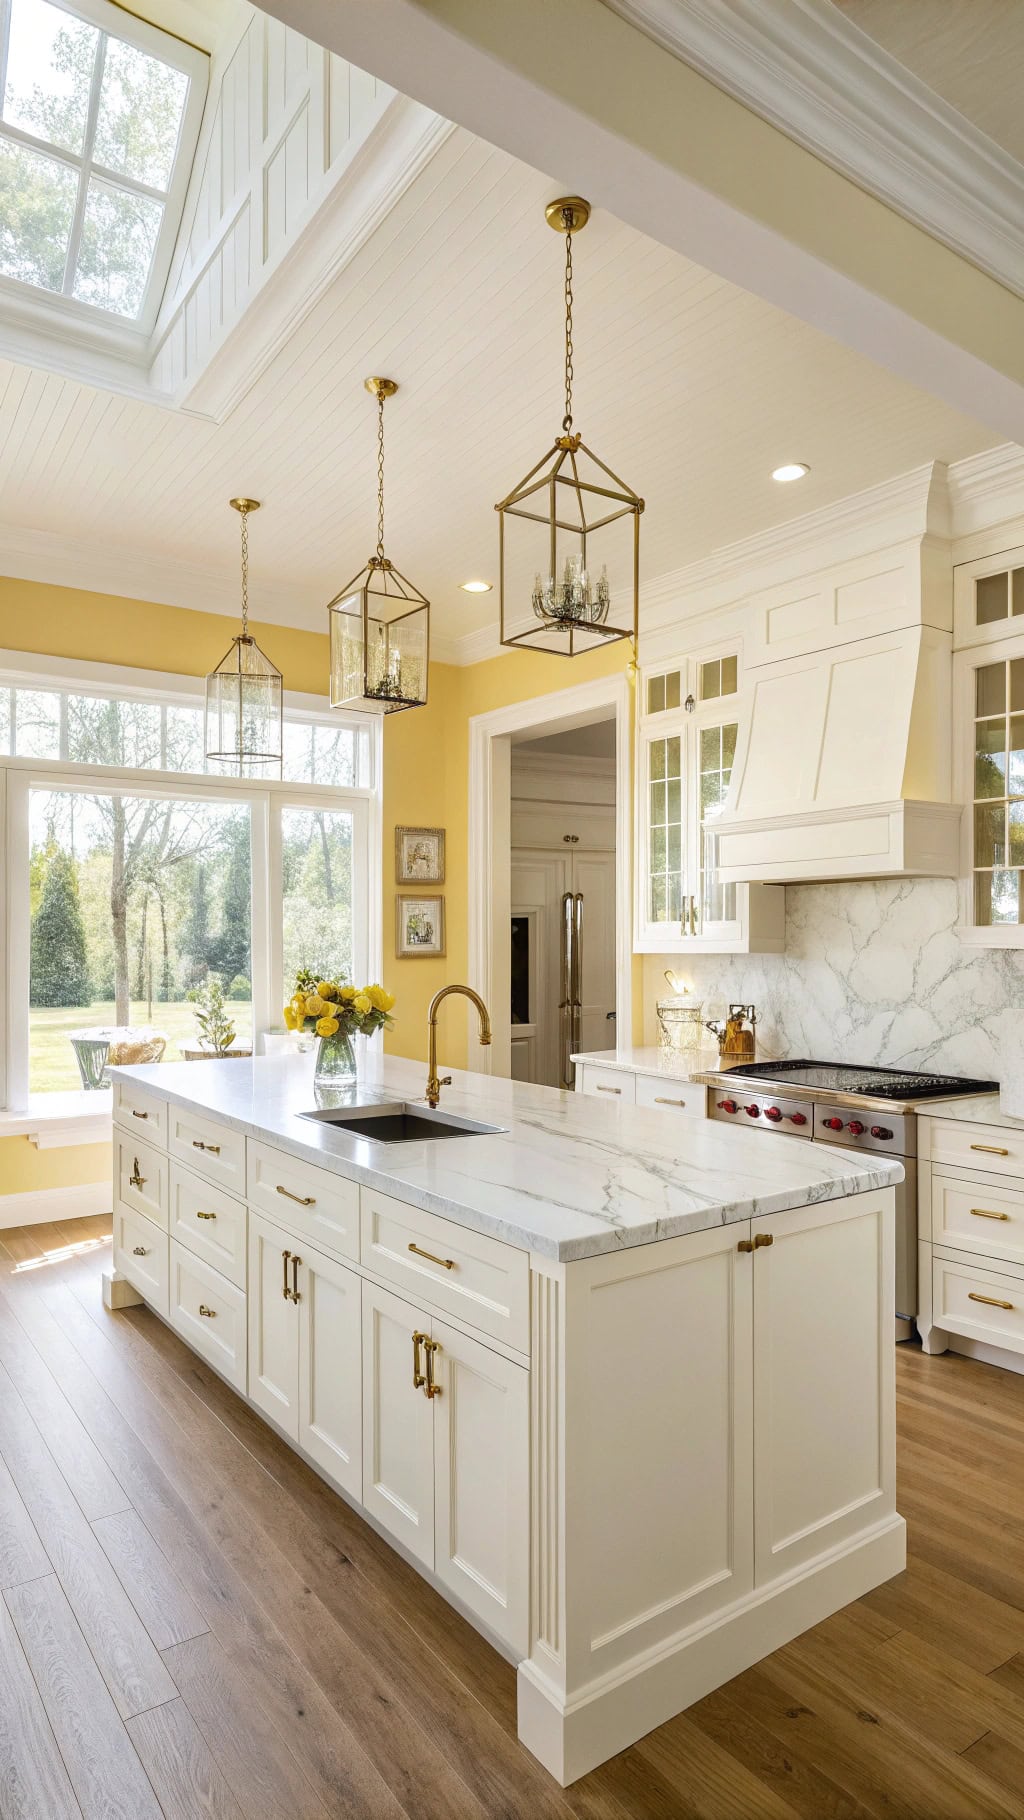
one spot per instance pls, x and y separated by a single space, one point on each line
974 1109
652 1060
569 1177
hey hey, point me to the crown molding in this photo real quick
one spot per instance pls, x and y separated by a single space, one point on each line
809 71
987 489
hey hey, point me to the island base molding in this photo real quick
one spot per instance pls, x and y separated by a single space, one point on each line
572 1738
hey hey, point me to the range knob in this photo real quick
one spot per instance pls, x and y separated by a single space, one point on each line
773 1113
796 1118
727 1106
752 1112
833 1124
856 1127
880 1131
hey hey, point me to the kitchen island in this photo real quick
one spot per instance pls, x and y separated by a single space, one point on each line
621 1388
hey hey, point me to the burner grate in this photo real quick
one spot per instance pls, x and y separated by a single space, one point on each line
874 1083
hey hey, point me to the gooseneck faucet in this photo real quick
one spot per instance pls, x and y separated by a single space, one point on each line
433 1084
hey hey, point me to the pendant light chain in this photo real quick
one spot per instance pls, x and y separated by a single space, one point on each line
244 515
567 216
380 477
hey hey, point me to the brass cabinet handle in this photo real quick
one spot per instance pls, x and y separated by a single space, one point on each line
285 1255
603 1089
982 1213
200 1215
418 1379
745 1245
301 1200
136 1179
208 1312
139 1115
991 1149
763 1238
139 1251
296 1261
430 1347
991 1301
214 1149
658 1101
445 1263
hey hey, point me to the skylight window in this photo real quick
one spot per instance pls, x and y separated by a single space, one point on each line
99 120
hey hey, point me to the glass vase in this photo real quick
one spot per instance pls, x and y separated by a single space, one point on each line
335 1064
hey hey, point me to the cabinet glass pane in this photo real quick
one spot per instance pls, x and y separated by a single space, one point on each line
989 834
990 689
990 758
998 824
991 598
717 677
1017 591
717 747
663 692
997 897
665 831
1016 770
1016 686
1015 822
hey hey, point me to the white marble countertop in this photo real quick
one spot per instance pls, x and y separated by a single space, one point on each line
568 1176
649 1059
974 1109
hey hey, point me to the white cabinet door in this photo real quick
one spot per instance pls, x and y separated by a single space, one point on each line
398 1422
482 1482
824 1365
273 1324
330 1369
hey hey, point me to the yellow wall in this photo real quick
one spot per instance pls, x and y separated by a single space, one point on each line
23 1168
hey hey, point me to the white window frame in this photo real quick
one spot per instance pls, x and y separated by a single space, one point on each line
71 1118
27 302
965 663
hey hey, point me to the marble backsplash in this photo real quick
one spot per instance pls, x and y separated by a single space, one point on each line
873 972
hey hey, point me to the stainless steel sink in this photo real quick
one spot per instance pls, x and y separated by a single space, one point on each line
401 1122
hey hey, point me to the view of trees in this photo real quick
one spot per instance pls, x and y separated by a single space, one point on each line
60 961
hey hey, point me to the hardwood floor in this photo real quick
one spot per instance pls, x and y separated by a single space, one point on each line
192 1624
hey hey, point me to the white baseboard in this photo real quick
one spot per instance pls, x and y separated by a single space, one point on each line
981 1350
41 1204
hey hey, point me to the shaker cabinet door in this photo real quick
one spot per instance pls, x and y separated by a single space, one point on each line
398 1421
273 1325
330 1369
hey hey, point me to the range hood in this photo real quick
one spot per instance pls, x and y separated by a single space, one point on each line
844 767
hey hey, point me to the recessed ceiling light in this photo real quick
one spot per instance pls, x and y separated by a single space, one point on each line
791 470
477 587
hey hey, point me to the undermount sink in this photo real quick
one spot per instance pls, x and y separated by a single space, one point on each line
399 1122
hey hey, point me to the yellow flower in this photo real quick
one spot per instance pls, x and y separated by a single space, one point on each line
289 1018
380 999
326 1026
326 991
315 1006
362 1004
346 994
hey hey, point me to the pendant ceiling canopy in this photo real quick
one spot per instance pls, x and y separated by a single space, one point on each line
570 531
244 694
379 622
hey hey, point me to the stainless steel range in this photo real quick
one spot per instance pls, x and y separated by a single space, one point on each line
858 1108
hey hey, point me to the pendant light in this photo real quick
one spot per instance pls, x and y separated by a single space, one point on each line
570 531
244 701
380 623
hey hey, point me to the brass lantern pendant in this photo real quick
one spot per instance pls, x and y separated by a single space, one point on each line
570 531
379 623
244 694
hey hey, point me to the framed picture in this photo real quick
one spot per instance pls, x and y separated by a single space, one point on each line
419 856
419 927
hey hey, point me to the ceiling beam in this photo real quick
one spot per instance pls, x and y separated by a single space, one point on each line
572 88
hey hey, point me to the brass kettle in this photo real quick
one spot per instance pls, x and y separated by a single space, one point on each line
736 1033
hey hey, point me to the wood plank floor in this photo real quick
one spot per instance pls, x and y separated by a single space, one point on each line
192 1624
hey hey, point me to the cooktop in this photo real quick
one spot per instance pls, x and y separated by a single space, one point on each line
874 1083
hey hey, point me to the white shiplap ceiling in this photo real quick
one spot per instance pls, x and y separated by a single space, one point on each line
692 389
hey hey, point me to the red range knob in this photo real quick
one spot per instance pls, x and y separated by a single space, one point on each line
880 1131
773 1113
752 1112
833 1124
796 1118
856 1127
727 1106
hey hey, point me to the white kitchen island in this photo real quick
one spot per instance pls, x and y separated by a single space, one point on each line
620 1387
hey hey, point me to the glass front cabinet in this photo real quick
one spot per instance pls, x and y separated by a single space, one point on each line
688 722
988 679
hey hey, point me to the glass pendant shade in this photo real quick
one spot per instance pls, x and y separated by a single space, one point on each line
569 533
245 693
380 623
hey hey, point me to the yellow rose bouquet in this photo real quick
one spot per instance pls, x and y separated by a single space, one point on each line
333 1010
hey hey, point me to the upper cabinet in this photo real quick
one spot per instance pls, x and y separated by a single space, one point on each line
687 734
988 747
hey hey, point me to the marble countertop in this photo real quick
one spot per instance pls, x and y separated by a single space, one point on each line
974 1109
568 1176
649 1059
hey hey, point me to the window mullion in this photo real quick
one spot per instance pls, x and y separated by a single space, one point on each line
75 241
5 45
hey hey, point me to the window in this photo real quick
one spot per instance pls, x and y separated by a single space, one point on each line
100 116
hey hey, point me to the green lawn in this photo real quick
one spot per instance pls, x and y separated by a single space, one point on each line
53 1068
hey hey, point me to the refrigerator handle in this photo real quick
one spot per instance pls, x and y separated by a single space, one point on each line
565 991
577 983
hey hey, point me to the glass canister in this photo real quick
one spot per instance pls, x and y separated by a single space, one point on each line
680 1021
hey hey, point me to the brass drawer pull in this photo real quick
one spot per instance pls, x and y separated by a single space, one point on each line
208 1312
214 1149
990 1301
430 1347
745 1245
301 1200
763 1238
200 1215
658 1101
139 1251
982 1213
601 1088
296 1261
139 1115
991 1149
285 1255
445 1263
418 1379
136 1179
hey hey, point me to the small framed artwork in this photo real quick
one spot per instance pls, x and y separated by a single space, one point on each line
419 927
419 856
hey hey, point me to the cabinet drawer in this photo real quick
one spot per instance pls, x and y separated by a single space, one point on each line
993 1148
140 1177
323 1207
141 1113
140 1254
980 1304
685 1098
973 1215
213 1150
209 1313
208 1222
609 1084
480 1279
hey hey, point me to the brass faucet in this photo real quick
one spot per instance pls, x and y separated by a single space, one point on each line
433 1084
